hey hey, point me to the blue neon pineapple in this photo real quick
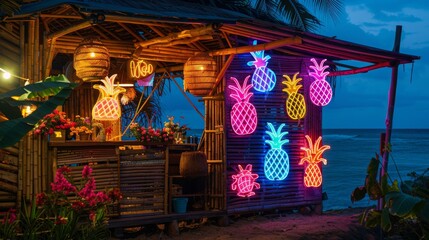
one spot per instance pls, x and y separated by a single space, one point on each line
263 78
276 164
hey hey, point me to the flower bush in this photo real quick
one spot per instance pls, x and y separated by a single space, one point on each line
56 120
151 135
175 127
67 212
82 125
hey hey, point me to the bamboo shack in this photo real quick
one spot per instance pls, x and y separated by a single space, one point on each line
263 85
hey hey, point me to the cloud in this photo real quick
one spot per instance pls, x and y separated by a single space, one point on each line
375 21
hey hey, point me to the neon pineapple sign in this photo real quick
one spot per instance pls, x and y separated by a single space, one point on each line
295 103
263 79
320 90
243 114
313 155
245 181
276 164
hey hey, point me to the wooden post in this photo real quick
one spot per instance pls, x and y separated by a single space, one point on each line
390 109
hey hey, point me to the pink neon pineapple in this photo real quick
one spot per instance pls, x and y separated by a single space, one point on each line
263 79
244 181
320 90
243 114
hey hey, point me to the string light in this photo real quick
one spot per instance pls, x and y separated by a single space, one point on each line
7 75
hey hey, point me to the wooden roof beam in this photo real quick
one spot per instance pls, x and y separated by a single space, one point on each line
70 29
185 34
360 70
264 46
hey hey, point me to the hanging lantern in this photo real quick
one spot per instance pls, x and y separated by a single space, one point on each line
91 60
199 74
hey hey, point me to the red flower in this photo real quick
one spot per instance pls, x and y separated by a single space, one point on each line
61 220
92 216
41 199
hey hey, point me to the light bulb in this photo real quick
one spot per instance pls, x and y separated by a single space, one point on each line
6 75
92 54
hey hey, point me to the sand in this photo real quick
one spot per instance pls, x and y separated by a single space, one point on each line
338 224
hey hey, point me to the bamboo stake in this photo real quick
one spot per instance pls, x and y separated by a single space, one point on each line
184 94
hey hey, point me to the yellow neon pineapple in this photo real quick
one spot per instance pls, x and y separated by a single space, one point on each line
107 106
295 103
313 155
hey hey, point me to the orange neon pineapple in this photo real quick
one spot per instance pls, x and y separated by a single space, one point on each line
295 103
313 155
107 106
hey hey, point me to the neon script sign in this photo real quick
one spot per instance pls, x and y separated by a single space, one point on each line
276 164
313 155
245 181
138 68
243 114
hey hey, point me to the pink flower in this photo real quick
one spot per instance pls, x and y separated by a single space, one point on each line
86 172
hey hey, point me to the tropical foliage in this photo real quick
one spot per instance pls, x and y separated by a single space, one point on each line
69 211
406 204
292 12
56 88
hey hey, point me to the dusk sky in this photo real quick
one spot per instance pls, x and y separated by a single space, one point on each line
361 100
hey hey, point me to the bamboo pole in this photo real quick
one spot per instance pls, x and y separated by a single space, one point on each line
259 47
390 109
360 70
184 94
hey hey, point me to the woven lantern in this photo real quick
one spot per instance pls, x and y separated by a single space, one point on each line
91 60
199 74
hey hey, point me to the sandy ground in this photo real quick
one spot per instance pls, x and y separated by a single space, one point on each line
339 224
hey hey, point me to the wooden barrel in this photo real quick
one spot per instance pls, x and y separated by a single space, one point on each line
199 74
193 164
91 60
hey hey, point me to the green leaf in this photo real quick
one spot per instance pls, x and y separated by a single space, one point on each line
373 218
12 131
372 170
358 194
384 185
386 224
401 204
48 87
423 211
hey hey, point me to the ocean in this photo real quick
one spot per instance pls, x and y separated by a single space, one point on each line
350 153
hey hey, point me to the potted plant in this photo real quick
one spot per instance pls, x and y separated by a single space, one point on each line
55 123
82 128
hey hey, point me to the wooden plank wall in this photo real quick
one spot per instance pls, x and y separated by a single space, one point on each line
142 177
251 149
8 178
